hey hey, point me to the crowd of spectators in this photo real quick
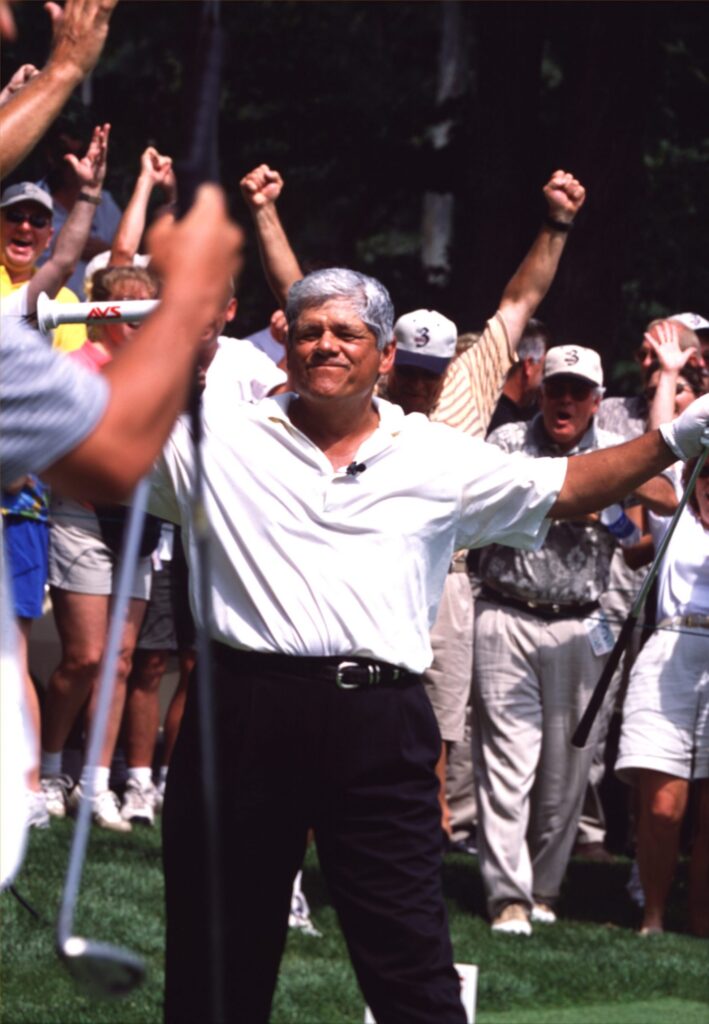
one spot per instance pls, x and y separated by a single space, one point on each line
520 636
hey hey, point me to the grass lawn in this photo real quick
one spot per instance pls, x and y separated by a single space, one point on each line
590 968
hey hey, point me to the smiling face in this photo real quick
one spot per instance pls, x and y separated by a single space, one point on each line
332 354
568 404
21 241
115 335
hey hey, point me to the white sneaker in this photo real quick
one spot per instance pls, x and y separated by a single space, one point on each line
37 813
512 920
139 802
105 810
542 914
56 789
160 795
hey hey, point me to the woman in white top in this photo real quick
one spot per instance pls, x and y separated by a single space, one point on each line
665 736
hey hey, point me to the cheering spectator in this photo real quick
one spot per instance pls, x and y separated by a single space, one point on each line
84 545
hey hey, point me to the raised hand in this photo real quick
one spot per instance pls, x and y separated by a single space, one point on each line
663 339
565 196
261 187
18 81
91 169
79 30
156 167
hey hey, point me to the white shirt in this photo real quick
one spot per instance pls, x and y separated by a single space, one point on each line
307 560
266 343
683 576
239 372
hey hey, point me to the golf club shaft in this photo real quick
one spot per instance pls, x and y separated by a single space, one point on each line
583 729
51 314
106 686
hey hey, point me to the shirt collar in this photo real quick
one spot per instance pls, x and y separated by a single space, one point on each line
391 417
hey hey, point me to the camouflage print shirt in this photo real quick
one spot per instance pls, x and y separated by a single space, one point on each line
624 416
572 566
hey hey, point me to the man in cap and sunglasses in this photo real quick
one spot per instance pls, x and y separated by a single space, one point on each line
26 230
540 643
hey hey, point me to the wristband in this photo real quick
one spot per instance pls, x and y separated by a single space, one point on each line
558 225
84 197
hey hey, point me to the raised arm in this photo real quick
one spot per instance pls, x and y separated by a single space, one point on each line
474 380
91 172
564 196
149 378
155 170
80 31
663 339
260 189
603 477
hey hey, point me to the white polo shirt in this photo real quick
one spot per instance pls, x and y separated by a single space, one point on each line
307 560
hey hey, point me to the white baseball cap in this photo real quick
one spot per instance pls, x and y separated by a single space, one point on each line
574 361
694 321
425 338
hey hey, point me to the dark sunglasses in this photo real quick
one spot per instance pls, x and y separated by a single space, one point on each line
651 392
37 220
578 389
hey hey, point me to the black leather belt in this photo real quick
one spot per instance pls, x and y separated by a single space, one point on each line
346 673
549 612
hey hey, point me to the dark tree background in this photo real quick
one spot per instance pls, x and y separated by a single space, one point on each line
361 109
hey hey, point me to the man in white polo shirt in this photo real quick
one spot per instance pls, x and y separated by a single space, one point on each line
333 518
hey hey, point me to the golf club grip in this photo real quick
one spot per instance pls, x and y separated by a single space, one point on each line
584 727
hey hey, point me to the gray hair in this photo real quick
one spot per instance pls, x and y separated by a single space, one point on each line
368 296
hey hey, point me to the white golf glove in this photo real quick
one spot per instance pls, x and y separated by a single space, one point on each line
689 433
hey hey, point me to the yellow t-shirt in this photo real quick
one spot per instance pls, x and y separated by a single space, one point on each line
66 337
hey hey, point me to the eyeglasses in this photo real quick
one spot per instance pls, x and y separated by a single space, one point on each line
37 220
558 387
652 391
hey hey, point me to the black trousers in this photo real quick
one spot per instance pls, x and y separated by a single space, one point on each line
358 767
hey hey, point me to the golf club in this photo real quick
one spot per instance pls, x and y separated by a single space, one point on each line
585 725
103 968
51 314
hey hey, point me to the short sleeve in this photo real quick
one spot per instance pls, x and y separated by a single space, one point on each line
47 405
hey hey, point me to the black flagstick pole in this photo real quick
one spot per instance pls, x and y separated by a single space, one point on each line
201 164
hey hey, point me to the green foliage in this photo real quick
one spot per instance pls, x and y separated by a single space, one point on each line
340 97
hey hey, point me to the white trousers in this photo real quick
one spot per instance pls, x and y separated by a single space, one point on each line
531 683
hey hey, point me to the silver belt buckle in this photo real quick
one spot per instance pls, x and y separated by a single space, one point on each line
373 675
339 679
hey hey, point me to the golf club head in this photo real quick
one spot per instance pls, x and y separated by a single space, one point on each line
104 969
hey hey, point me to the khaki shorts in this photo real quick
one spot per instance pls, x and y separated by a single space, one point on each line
80 562
666 710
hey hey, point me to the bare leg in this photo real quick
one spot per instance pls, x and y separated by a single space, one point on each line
699 868
663 801
81 620
142 712
24 627
441 770
173 718
134 618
